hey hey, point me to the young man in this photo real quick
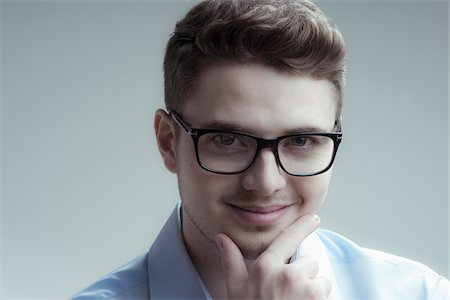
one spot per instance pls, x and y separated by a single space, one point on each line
253 94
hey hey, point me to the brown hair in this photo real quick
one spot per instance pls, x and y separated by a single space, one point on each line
289 35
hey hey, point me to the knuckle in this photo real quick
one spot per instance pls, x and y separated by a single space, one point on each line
266 262
260 270
317 289
312 291
290 278
240 279
325 285
310 266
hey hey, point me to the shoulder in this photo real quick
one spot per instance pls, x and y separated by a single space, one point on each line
380 273
127 282
342 249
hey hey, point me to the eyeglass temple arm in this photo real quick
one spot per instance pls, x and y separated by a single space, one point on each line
183 124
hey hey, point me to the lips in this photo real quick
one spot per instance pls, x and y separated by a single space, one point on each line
260 215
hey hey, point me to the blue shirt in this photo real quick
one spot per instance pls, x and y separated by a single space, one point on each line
167 272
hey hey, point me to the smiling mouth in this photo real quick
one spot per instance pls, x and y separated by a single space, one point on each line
261 216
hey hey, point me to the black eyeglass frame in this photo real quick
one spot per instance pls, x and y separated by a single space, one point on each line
261 143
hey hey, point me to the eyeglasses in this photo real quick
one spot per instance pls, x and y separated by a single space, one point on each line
232 152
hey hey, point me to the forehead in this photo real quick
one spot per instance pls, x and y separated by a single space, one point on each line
260 100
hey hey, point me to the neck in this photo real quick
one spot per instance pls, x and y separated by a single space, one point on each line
206 258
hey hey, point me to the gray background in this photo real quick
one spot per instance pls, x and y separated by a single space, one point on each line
84 189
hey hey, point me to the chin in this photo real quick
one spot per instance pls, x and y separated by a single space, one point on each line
254 241
252 246
252 252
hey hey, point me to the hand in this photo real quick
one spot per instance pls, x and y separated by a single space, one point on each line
272 277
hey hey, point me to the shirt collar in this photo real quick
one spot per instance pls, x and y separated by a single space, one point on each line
172 274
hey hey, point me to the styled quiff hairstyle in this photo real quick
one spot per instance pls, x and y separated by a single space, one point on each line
293 36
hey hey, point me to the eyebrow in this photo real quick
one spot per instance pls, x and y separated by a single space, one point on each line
301 130
226 126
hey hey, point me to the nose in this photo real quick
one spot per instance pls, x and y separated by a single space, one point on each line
264 177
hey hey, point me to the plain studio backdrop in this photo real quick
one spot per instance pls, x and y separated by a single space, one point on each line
84 189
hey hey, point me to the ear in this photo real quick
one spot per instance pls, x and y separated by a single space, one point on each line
165 137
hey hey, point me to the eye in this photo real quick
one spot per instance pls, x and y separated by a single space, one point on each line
299 141
226 139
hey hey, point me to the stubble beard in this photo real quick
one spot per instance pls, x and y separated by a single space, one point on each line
251 247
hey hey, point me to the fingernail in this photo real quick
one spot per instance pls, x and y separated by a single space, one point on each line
316 218
219 244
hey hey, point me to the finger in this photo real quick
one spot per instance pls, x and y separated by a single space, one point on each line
232 262
290 239
324 284
308 265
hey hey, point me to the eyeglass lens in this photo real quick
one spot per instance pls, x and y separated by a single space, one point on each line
231 152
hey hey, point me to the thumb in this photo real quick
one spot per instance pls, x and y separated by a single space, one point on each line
233 264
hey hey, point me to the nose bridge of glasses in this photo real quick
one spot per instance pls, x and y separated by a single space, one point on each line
267 144
263 143
267 162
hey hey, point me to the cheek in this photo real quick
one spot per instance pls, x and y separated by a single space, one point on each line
313 191
196 184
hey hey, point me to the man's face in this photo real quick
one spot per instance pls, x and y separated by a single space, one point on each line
253 207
